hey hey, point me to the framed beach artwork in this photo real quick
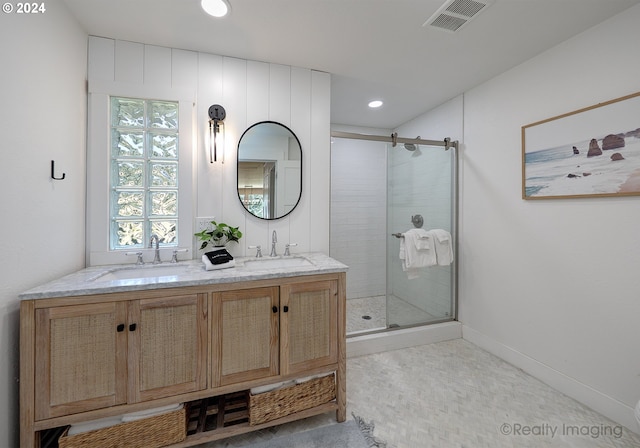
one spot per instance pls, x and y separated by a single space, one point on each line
590 152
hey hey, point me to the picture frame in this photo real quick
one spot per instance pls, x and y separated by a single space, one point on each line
590 152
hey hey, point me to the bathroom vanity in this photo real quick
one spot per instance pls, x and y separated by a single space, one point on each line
111 340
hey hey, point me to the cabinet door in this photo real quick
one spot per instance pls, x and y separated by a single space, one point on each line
81 356
245 333
167 346
309 325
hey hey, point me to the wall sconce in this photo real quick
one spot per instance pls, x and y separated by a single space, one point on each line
217 114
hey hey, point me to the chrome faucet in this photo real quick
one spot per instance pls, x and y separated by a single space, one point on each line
156 258
286 248
274 240
258 250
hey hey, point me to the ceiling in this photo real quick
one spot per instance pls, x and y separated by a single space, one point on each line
374 49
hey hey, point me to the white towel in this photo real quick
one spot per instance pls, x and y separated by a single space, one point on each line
417 251
133 416
443 246
211 267
312 377
92 425
305 379
423 241
269 387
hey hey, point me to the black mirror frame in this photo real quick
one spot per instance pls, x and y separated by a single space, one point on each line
238 168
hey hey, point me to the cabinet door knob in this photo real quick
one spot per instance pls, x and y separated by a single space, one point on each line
132 327
120 328
286 309
275 309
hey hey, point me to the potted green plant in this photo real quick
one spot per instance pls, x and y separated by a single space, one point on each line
219 235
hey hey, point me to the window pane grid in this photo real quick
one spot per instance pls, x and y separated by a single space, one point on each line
144 172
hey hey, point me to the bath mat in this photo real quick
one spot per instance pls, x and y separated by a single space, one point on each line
355 433
367 431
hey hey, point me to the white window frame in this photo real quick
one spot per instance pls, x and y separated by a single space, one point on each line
99 166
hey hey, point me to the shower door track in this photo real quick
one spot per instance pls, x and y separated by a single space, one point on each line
394 139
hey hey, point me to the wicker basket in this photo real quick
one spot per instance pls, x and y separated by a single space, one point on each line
152 432
281 402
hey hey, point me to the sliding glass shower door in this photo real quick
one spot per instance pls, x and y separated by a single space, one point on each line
376 189
420 194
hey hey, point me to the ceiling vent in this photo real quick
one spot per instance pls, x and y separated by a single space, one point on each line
455 14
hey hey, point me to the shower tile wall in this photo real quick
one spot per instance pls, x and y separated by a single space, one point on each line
358 214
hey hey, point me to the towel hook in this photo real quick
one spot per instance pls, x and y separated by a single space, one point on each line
53 168
417 221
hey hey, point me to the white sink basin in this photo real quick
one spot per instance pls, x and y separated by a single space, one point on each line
142 272
277 263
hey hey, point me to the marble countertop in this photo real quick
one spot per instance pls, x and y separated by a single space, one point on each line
99 279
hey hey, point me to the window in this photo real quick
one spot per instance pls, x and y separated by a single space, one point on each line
140 171
144 172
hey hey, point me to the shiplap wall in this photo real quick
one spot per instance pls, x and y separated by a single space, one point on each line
250 91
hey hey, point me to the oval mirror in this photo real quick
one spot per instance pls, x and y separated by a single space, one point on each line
269 170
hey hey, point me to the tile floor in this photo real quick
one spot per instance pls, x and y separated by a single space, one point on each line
453 394
400 313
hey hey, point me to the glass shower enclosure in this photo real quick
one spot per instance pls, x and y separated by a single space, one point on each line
379 190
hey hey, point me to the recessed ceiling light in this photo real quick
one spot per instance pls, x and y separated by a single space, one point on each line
216 8
374 104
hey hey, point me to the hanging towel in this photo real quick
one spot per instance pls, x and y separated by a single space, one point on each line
416 251
443 246
218 259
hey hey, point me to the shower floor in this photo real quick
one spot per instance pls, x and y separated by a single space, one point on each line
370 314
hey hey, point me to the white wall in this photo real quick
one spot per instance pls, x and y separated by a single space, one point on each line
250 92
556 295
552 285
43 118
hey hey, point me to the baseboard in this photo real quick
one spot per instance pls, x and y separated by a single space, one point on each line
402 338
599 402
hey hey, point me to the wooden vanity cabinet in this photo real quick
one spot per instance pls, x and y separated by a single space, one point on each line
167 352
88 357
80 358
245 334
96 355
309 327
266 332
